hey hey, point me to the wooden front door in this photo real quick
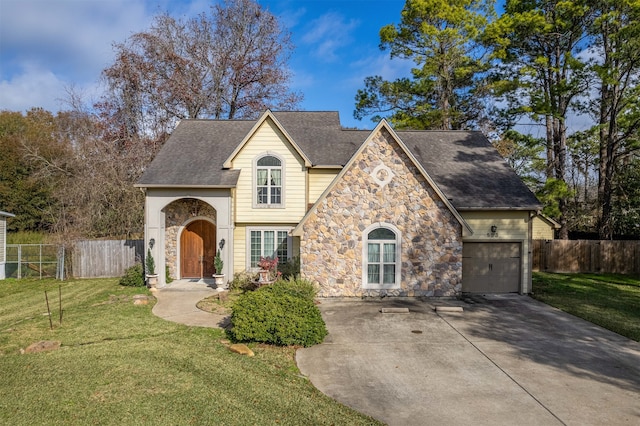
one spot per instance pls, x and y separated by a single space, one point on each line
197 250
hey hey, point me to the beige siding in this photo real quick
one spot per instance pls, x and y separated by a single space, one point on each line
239 248
542 230
511 226
268 139
319 180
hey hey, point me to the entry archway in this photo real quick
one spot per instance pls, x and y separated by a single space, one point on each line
197 249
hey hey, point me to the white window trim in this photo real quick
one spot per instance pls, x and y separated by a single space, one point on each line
254 185
365 257
265 228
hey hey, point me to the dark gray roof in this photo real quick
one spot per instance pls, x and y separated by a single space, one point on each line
320 136
195 153
463 164
469 170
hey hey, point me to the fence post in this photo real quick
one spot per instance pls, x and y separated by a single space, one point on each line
19 261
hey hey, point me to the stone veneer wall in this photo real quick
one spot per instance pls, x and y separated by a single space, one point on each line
431 240
176 215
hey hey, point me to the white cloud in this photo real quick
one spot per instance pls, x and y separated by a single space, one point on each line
49 45
328 33
377 64
36 87
29 89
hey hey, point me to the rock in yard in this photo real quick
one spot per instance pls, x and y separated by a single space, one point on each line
141 299
41 346
241 349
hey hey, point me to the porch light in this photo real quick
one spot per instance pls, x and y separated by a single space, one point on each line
221 244
152 242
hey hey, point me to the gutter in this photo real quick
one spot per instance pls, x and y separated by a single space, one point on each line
140 185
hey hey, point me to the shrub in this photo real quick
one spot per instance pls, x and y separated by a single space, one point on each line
167 274
243 281
290 268
150 263
282 314
133 276
295 287
218 263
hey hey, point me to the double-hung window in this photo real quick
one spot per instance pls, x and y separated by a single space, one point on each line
268 243
268 181
381 266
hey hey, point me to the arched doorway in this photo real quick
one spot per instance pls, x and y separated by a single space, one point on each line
197 249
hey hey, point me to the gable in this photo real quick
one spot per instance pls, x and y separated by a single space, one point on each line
382 187
268 139
283 135
390 147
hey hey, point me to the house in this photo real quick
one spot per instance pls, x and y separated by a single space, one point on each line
3 242
369 212
544 228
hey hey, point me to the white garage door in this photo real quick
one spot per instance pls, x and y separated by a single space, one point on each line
491 267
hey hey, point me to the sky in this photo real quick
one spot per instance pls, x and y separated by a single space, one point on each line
49 47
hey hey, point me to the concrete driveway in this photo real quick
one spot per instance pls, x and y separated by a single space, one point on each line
505 360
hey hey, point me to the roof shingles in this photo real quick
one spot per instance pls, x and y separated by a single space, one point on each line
465 166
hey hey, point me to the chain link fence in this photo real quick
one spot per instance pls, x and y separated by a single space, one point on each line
35 261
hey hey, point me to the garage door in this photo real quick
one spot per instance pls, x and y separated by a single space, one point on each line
491 267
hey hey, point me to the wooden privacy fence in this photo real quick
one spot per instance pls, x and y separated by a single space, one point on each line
618 257
105 258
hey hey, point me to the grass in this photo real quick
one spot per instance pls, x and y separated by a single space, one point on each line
27 237
119 364
608 300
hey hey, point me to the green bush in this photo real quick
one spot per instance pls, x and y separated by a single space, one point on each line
291 268
282 314
150 263
133 276
167 274
243 281
295 287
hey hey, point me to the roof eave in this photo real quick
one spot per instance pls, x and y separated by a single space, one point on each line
520 208
159 185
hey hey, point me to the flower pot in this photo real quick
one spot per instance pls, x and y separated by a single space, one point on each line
219 281
152 280
264 276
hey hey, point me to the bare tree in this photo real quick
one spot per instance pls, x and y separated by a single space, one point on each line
229 63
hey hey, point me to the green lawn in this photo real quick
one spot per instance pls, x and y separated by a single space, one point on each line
119 364
611 301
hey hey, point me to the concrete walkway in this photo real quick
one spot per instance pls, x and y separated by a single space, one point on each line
177 303
505 360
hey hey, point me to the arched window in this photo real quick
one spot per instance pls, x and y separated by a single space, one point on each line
269 182
381 257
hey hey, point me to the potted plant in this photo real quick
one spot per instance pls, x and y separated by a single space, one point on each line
267 270
218 263
150 267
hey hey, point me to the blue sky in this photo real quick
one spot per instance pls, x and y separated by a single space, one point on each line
49 46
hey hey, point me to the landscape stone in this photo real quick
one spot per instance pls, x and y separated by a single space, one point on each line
241 349
42 346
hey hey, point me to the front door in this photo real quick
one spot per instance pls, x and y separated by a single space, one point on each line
197 247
